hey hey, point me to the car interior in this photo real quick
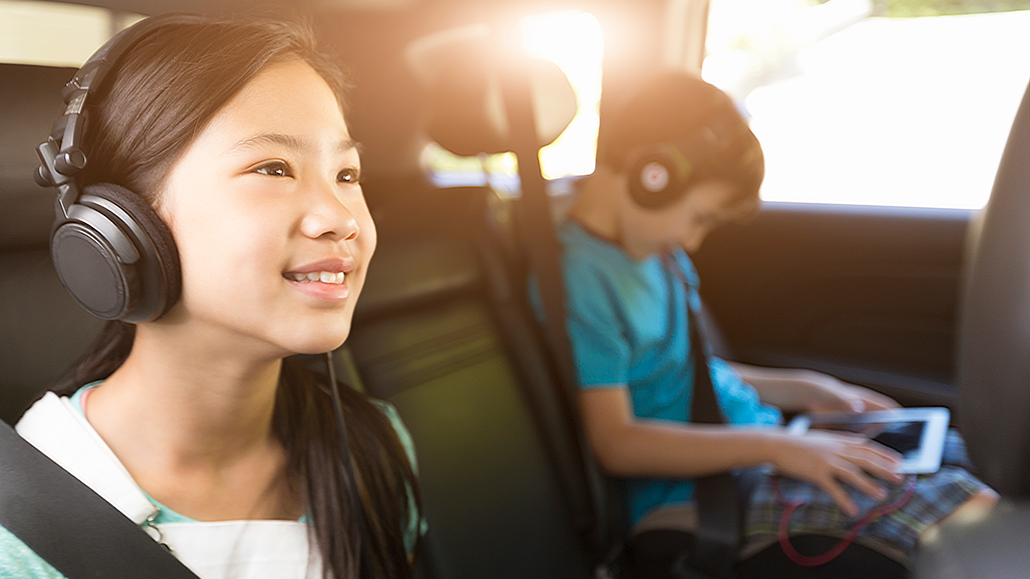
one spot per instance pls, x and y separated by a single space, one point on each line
929 306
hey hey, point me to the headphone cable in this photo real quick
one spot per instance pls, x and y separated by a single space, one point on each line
349 468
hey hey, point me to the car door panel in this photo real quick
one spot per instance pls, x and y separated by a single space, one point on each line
866 293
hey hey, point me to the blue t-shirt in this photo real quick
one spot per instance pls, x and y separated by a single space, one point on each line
628 324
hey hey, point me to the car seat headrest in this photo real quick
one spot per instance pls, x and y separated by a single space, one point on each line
462 69
994 331
30 99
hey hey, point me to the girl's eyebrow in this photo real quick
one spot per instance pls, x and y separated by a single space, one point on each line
290 142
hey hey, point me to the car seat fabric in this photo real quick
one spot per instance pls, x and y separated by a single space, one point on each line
30 100
994 332
429 338
993 377
42 329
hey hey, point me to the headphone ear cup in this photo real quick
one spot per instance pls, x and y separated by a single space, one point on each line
656 179
116 256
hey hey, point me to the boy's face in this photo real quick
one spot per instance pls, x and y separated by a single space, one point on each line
686 223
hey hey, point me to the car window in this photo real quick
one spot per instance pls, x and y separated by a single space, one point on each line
894 102
55 34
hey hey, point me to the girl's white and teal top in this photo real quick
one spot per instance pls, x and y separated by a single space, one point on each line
248 549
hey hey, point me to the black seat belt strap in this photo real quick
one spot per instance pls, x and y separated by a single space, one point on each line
71 527
719 514
543 249
719 504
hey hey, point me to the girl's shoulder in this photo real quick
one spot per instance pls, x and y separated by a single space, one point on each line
417 525
398 425
18 560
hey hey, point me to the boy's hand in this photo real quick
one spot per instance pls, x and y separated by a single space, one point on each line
832 395
828 459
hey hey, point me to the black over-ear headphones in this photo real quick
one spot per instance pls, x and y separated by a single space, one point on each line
661 173
110 249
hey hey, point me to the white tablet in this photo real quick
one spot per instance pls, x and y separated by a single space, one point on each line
916 433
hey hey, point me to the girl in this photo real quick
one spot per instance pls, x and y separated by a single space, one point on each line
192 421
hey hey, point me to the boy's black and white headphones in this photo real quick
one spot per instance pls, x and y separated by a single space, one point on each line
661 173
111 250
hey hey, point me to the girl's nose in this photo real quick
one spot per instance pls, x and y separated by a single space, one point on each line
330 217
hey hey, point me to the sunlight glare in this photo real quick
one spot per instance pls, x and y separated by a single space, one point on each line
572 40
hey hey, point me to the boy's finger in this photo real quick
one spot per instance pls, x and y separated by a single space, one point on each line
877 401
840 496
882 462
865 484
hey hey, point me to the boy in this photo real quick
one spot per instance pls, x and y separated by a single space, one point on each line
682 162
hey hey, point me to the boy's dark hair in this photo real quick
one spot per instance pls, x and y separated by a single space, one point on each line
672 106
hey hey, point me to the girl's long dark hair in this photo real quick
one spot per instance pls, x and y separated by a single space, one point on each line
162 95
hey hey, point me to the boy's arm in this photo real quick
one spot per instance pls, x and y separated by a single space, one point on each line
796 389
628 446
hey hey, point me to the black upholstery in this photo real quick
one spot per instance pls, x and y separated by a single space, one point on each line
434 335
994 378
30 101
43 329
994 332
463 76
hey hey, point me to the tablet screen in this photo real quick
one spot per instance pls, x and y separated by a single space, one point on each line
903 437
917 434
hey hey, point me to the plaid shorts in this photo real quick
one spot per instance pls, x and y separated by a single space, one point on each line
894 534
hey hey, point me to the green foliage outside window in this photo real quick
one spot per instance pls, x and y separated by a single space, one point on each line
943 7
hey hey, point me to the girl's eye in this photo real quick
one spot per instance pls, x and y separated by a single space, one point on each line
348 175
275 169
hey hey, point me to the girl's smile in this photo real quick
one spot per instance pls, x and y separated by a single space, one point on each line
324 280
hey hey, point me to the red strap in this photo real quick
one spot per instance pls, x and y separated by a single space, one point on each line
815 560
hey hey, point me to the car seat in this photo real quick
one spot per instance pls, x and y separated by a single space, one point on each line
994 377
439 333
42 329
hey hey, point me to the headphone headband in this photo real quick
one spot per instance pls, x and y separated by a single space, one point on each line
61 156
661 173
110 249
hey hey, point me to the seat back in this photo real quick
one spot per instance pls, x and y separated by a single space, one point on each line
483 96
994 330
994 378
42 329
434 335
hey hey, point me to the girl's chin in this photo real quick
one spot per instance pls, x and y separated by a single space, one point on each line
320 344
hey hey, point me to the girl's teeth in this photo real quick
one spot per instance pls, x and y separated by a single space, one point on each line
320 276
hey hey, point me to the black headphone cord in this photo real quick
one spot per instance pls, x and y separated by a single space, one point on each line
349 468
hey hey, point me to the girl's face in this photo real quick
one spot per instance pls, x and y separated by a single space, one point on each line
686 223
269 218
